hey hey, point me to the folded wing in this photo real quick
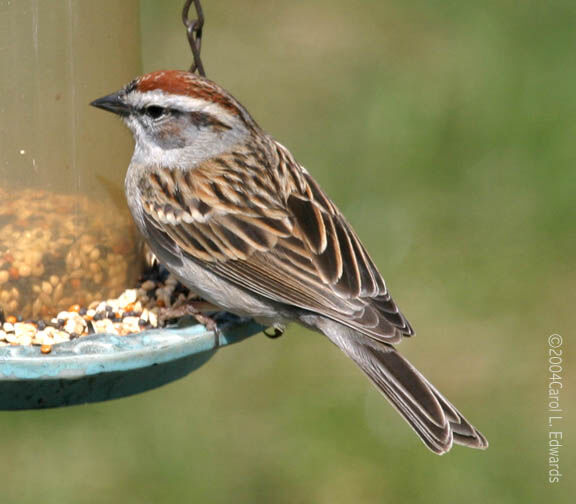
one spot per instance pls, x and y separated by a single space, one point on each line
279 237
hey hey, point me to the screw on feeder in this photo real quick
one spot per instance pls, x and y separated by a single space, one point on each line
194 33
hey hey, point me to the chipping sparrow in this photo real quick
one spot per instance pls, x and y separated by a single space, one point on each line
232 214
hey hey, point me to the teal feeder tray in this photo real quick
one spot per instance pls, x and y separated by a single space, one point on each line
105 366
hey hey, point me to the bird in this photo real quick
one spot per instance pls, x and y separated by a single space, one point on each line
231 213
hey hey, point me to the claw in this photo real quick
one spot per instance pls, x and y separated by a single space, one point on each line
278 331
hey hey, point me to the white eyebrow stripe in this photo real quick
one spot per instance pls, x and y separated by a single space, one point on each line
140 100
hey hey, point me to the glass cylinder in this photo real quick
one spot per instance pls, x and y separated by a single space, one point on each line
66 235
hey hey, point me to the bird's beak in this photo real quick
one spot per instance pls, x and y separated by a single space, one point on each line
112 103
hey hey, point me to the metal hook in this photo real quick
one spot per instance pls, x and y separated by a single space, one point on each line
194 32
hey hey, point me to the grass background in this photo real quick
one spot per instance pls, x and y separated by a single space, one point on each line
445 132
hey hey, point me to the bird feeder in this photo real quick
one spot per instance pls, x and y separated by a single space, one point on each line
66 236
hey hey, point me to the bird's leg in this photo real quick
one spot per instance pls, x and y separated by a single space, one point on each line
198 310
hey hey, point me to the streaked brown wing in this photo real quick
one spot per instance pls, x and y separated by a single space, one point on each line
295 249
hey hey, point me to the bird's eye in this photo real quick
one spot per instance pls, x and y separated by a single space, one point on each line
154 111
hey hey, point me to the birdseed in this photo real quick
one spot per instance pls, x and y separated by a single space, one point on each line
58 249
134 311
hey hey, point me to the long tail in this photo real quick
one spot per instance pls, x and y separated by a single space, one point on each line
430 414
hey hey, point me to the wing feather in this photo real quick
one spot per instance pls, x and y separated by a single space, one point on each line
292 246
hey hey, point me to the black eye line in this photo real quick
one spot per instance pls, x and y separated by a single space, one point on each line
205 120
157 112
201 119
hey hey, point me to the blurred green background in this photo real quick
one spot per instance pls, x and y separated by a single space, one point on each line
445 131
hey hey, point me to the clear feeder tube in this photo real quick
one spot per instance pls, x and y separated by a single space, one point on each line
66 236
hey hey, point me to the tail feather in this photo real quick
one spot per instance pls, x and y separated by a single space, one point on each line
438 423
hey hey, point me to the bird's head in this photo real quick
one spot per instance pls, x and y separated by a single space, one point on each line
178 118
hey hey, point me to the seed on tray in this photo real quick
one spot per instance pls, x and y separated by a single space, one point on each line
133 311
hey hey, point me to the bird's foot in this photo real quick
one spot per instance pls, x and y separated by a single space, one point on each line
196 309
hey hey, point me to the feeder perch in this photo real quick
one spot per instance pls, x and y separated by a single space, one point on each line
105 366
